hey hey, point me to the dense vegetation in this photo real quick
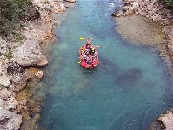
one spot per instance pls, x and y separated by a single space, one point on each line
12 12
168 3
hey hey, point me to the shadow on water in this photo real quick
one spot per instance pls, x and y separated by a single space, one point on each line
129 77
124 79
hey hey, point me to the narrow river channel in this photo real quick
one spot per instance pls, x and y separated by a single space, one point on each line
127 91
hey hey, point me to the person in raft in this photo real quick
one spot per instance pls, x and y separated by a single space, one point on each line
88 52
88 47
88 44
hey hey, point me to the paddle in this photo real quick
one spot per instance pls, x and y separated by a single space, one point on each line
82 38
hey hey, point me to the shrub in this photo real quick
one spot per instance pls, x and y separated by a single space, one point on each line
12 12
168 3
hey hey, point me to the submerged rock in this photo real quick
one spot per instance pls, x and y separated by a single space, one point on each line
9 120
129 77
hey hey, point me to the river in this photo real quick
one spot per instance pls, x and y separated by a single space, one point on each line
128 90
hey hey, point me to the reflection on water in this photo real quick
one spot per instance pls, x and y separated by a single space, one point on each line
125 92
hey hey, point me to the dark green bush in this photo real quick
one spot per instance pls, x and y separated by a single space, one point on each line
168 3
11 13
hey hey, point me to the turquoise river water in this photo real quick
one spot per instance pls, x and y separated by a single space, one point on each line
128 90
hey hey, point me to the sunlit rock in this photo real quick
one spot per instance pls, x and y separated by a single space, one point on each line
9 120
39 74
167 120
30 54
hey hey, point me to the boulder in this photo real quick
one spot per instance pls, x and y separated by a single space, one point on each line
118 13
39 74
167 119
4 80
5 94
9 120
19 81
71 1
11 103
29 54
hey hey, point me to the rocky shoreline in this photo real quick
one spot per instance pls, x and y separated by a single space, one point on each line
158 13
19 63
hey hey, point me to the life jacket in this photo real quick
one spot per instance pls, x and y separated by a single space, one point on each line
87 46
92 51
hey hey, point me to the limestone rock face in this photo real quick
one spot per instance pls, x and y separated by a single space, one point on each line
30 54
9 120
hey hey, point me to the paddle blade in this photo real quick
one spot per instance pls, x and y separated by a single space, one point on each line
82 38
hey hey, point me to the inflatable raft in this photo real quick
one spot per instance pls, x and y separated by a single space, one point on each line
88 57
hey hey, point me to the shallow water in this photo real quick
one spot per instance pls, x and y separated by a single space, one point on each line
128 90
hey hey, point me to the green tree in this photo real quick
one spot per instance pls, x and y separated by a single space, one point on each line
168 3
11 13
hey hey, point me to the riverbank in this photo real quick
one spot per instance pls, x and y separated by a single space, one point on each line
20 62
148 22
140 31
